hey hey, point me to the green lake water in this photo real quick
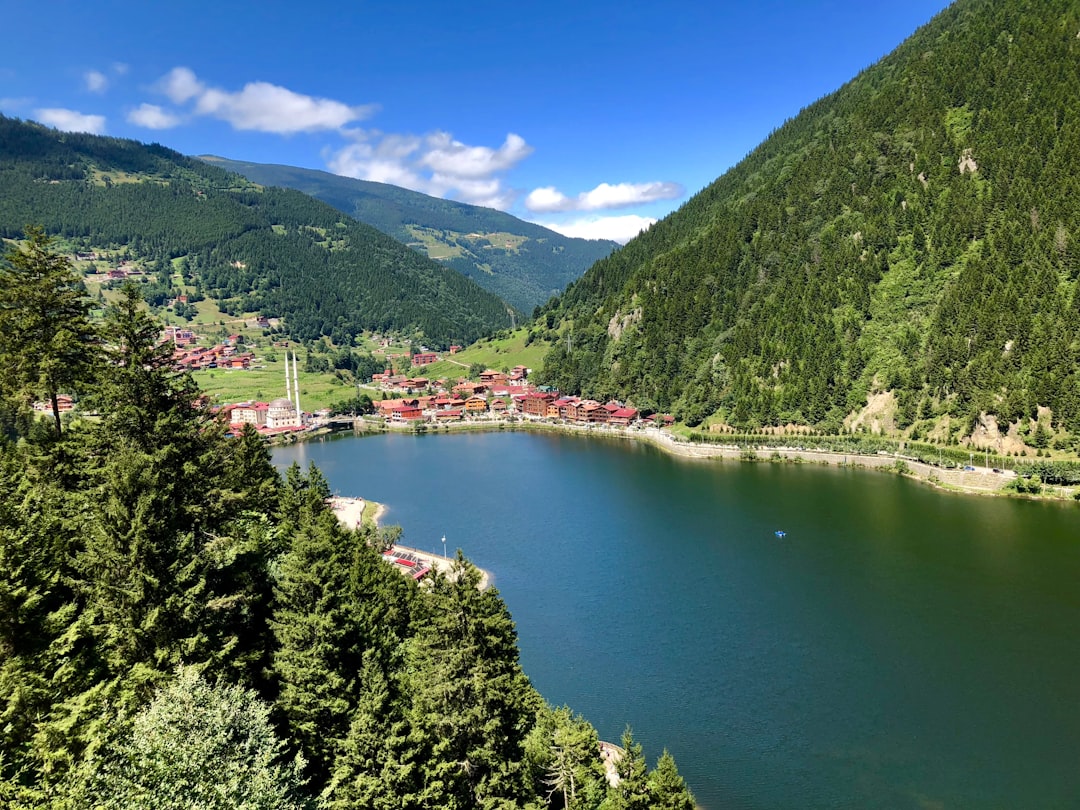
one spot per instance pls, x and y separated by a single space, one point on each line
899 647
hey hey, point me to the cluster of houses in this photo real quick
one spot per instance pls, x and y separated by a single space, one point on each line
497 383
189 357
64 404
529 404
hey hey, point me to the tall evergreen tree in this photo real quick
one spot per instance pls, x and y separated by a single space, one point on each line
47 342
194 745
633 790
563 752
471 705
667 788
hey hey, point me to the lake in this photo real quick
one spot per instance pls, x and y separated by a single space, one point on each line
899 647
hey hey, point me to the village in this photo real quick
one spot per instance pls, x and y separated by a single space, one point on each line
403 400
411 401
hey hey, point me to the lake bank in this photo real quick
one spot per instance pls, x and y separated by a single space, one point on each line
975 481
354 512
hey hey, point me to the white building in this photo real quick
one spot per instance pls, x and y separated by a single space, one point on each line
282 413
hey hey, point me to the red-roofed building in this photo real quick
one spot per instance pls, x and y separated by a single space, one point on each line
406 410
476 404
589 411
537 404
623 417
253 413
424 358
468 389
564 408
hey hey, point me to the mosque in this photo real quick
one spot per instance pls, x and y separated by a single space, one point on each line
285 411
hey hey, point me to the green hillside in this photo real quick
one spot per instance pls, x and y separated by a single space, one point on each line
271 251
181 626
910 241
522 263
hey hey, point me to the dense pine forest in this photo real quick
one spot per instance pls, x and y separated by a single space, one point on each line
523 263
911 239
181 626
275 252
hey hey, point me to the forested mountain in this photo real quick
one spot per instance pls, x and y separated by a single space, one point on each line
522 263
272 251
181 626
915 237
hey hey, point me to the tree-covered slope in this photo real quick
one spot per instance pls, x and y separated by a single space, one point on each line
523 263
913 235
273 251
182 627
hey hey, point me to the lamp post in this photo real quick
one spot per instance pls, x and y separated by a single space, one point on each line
444 546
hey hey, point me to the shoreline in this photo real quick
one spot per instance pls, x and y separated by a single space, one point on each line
350 511
980 481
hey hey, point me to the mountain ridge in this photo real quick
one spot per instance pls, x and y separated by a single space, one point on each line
272 251
908 234
521 262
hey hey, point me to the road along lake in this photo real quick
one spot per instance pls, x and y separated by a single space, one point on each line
896 647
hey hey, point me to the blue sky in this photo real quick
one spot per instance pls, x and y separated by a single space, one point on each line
595 118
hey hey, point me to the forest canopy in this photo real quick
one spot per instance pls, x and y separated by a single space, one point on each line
912 235
181 625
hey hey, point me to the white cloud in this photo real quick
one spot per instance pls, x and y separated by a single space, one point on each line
71 121
180 84
434 164
152 116
453 158
605 196
96 81
119 68
548 198
268 108
618 229
260 106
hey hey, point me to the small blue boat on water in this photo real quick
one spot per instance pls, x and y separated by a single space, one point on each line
780 533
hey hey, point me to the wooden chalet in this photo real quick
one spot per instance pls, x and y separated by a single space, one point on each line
537 404
476 404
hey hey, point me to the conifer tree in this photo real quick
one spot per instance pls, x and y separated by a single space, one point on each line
471 705
319 639
667 787
563 753
633 790
47 343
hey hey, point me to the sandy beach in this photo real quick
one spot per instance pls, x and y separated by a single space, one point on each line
350 511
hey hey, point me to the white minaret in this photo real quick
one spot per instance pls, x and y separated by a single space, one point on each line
288 390
296 388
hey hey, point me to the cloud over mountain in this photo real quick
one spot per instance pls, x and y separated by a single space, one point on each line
435 164
70 120
549 199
